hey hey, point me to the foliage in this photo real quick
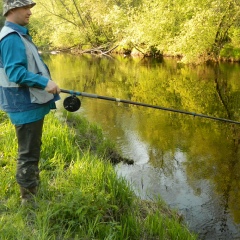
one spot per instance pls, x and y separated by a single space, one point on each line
2 19
76 22
195 30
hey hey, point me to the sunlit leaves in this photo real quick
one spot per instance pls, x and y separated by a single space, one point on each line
196 30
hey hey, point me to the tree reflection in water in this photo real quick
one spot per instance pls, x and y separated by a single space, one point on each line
192 163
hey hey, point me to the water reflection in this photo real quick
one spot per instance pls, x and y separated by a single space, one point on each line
192 163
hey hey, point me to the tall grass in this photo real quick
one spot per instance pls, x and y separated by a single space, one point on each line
80 195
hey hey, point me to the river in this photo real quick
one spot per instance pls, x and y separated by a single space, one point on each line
193 163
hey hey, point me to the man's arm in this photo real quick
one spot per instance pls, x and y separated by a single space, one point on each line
14 60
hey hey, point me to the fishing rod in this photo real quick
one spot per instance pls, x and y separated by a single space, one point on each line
72 104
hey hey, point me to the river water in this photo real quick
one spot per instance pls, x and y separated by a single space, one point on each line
193 163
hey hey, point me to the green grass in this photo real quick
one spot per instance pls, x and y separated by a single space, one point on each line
80 195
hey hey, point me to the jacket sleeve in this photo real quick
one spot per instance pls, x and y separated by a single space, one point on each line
14 61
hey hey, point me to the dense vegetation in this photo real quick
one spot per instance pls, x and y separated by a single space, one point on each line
203 30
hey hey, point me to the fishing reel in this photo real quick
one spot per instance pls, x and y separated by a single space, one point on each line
72 103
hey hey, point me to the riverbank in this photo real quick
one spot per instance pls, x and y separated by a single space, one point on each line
80 196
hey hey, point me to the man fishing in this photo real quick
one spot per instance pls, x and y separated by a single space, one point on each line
27 92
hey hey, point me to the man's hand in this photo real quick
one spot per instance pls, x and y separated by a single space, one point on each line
52 87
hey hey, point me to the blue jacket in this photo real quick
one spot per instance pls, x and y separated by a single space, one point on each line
18 57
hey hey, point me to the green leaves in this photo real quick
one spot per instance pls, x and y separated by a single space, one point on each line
198 31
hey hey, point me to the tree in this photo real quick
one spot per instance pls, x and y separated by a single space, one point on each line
206 33
195 30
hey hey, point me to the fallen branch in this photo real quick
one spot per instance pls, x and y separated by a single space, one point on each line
101 50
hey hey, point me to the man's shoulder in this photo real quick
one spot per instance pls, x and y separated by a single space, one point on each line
7 31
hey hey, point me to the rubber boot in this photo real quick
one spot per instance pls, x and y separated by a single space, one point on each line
28 196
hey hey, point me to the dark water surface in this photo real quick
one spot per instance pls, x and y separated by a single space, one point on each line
192 163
